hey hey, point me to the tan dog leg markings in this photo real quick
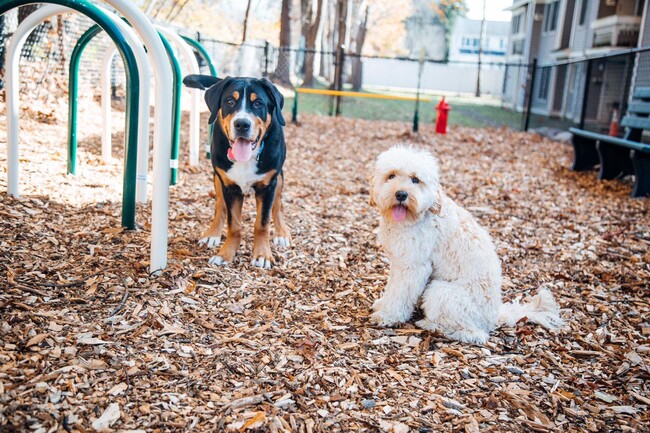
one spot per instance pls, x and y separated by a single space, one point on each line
262 257
212 236
282 237
233 238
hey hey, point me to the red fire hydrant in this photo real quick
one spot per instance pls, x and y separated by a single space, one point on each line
441 119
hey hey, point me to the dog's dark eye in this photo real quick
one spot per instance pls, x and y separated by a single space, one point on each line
415 180
390 177
258 103
230 102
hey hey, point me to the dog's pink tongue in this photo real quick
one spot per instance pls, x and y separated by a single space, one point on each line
399 213
242 149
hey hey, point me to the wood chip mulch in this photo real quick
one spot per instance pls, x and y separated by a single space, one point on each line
90 342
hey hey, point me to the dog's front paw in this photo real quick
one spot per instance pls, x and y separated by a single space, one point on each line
388 313
280 241
217 260
380 318
262 257
261 262
210 241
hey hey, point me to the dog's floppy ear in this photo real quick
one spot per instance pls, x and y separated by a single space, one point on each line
213 97
202 82
276 96
372 192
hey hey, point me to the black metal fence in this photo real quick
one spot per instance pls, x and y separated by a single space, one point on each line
590 93
579 92
587 92
402 77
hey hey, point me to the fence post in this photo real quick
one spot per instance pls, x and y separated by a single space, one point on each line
294 110
531 87
339 78
266 58
416 115
585 96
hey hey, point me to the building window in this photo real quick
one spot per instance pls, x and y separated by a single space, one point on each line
516 24
550 15
544 80
583 12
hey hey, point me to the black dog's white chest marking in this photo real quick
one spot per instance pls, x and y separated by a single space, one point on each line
244 174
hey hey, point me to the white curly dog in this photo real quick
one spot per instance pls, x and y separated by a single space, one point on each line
439 253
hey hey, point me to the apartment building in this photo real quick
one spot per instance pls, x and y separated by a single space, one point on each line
554 30
466 36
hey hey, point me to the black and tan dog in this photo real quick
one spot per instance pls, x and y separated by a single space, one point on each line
247 151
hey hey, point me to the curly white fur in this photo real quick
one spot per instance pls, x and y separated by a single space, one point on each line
440 256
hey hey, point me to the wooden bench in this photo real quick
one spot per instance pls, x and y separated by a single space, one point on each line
619 157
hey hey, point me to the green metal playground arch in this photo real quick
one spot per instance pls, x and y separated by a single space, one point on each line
75 59
204 53
133 83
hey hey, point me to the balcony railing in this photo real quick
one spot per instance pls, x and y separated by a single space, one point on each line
616 31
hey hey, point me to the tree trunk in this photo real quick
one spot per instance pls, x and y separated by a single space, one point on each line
326 41
60 30
341 18
311 27
3 43
248 10
282 72
356 76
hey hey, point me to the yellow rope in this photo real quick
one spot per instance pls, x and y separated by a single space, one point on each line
359 94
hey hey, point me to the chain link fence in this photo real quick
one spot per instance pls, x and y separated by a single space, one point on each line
45 59
582 93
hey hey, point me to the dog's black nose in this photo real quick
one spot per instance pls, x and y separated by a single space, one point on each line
401 195
242 125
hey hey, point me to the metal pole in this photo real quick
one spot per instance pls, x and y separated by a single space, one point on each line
131 118
339 79
585 96
143 105
480 53
529 101
177 86
416 115
185 51
334 85
294 110
213 70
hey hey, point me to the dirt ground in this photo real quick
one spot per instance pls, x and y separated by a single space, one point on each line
90 341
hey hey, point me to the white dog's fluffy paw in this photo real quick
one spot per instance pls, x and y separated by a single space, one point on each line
466 335
281 242
425 324
379 318
217 260
210 241
261 262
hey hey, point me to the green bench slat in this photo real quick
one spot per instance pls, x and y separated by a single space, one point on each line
636 122
642 92
609 139
588 134
639 107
